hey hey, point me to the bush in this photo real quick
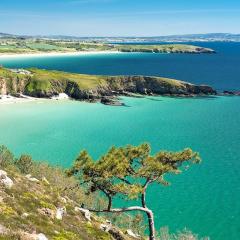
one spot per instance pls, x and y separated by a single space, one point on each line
6 157
24 164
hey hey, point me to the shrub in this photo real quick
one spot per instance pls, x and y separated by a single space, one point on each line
6 157
24 164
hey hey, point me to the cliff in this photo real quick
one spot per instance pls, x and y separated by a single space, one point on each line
44 83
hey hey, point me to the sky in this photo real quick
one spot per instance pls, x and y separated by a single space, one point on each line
119 17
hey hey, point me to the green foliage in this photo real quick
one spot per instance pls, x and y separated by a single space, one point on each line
6 157
37 85
24 164
122 170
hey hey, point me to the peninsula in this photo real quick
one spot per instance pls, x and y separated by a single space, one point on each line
41 83
17 45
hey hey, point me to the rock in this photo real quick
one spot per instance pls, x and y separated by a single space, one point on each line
3 173
111 101
132 234
117 235
45 181
231 93
85 212
3 230
41 236
5 180
25 215
60 212
32 179
105 227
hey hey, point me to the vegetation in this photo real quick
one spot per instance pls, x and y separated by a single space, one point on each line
30 206
18 45
163 48
21 207
129 171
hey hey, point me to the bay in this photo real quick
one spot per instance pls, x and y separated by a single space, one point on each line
205 199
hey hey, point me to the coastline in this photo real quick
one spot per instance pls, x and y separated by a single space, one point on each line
54 54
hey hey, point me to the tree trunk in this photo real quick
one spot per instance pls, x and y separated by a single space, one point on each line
109 203
151 225
135 208
148 212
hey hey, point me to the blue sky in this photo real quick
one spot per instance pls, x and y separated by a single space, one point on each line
119 17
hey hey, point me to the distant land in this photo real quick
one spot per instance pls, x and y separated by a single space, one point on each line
209 37
20 45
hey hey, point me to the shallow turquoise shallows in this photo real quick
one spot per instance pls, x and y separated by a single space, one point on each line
204 199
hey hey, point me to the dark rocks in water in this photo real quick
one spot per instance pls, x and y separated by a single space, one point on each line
204 50
111 101
231 93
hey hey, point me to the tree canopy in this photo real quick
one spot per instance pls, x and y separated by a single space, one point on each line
128 171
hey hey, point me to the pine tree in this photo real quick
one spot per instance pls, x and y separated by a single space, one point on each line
129 171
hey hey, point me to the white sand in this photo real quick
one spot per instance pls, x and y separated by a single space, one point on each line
8 99
53 54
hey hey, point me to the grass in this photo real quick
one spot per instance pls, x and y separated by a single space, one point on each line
83 81
42 47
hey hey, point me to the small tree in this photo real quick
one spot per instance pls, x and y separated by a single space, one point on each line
129 171
24 163
6 157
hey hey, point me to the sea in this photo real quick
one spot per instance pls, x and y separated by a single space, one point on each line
205 197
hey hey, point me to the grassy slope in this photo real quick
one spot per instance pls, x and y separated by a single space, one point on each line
45 80
82 80
29 197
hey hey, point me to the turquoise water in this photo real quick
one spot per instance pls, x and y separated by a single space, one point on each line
205 198
221 70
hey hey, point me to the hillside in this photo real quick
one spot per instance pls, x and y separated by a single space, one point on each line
45 83
39 202
43 202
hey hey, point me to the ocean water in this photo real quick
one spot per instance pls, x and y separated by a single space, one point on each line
221 70
205 199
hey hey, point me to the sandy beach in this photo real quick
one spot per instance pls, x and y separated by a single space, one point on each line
8 99
54 54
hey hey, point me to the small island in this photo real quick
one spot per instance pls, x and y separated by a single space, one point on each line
39 83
